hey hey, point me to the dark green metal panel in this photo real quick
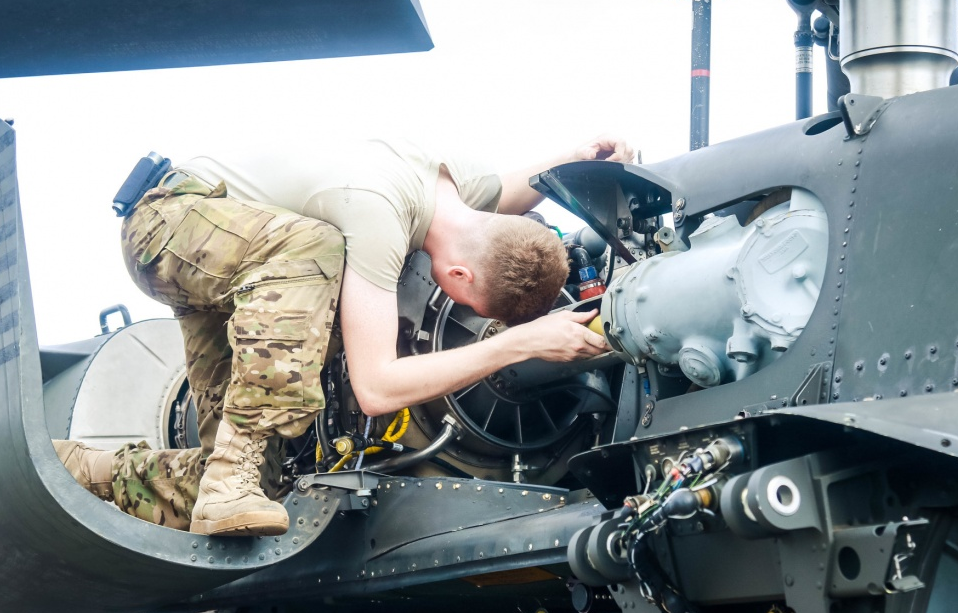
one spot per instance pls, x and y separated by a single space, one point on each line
42 37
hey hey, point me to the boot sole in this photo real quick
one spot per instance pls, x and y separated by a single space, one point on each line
243 524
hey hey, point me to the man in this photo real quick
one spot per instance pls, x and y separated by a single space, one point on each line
255 289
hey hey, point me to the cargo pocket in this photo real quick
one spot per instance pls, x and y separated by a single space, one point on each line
210 244
268 357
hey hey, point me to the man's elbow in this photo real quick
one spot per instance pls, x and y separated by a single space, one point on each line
374 403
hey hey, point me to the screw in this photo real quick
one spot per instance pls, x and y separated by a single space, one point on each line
903 393
883 361
929 387
680 204
859 366
838 378
933 350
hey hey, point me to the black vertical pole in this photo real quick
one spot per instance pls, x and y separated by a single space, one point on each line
803 66
701 60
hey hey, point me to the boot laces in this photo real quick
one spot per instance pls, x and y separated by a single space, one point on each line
247 467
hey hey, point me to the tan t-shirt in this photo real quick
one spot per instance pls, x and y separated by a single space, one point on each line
381 195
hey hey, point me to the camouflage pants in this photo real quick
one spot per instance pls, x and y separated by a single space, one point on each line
254 289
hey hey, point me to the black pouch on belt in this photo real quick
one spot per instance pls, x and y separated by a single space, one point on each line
144 176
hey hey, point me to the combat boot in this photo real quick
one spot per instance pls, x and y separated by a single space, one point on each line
92 468
230 501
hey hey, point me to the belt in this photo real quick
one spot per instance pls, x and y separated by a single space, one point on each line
172 179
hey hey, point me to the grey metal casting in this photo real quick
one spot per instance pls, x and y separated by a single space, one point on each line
731 304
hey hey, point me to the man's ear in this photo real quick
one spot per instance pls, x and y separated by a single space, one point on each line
460 274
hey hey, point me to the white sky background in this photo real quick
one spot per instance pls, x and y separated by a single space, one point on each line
511 81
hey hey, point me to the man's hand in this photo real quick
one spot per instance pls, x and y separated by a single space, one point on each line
559 337
606 147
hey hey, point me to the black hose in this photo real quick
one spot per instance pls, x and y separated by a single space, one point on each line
448 433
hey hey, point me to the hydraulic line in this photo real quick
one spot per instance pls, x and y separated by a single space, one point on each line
449 432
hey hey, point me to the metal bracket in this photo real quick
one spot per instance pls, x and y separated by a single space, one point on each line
872 560
647 409
560 193
813 389
860 112
358 485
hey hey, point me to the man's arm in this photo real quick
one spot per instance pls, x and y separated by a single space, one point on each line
518 198
385 383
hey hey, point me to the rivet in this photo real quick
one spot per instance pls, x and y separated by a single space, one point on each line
855 177
933 350
193 557
859 366
210 560
839 162
853 190
316 522
851 203
402 485
929 387
277 551
841 271
858 163
501 490
903 393
845 244
195 544
945 442
848 217
830 353
277 539
908 355
841 257
846 230
209 545
300 521
262 556
557 542
325 511
481 555
883 361
838 378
